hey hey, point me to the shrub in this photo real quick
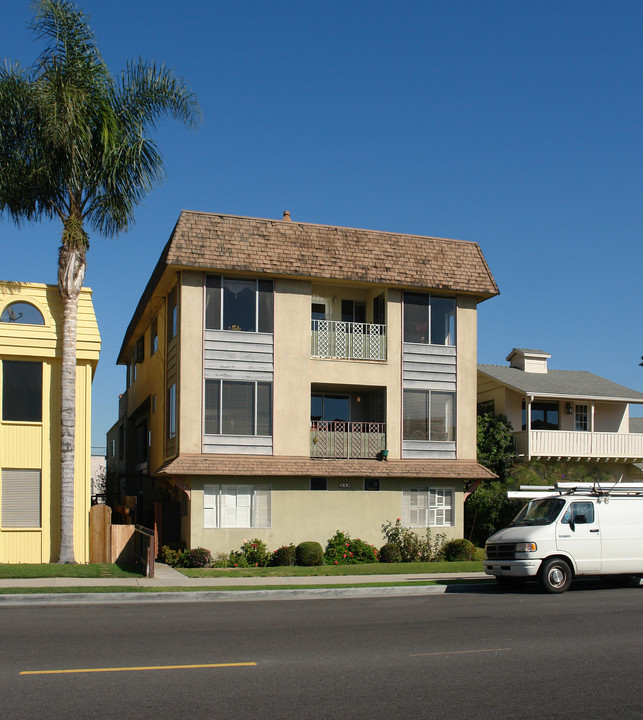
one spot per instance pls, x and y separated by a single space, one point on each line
459 550
255 553
220 560
412 547
196 558
309 554
171 556
390 553
237 559
341 550
285 555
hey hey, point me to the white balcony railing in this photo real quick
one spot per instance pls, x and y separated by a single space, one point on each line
338 439
564 443
348 340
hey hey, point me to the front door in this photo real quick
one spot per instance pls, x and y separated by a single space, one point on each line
578 534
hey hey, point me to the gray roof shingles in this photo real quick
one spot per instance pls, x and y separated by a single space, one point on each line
562 383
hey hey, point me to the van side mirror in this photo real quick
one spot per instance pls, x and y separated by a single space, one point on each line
580 519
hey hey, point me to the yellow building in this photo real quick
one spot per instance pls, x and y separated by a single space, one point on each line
30 386
286 380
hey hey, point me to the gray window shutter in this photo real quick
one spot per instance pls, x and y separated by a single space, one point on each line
21 498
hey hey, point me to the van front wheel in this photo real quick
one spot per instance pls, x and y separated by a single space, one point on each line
555 575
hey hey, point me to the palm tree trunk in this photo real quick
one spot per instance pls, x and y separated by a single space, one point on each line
71 273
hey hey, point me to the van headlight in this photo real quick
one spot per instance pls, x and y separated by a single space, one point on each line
526 547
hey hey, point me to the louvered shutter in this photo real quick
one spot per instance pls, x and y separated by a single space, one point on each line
210 502
21 498
262 502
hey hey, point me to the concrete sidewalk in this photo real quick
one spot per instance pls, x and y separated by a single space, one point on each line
167 577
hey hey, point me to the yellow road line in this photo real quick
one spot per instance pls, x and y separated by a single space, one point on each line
461 652
132 669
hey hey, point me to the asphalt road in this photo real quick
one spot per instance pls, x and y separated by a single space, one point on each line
459 655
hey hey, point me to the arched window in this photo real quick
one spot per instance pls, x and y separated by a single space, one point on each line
23 313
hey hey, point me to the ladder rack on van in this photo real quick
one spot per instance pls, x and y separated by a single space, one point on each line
532 492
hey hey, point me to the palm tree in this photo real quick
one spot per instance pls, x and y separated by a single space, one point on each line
73 146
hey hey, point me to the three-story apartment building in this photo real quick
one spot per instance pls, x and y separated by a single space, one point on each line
286 380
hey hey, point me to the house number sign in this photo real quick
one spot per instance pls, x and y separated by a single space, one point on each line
344 485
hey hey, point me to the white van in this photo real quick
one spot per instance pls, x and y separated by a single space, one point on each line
570 530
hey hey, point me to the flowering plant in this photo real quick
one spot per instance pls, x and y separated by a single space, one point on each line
342 550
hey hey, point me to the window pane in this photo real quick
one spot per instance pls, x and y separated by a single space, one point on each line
318 483
171 411
415 424
22 313
316 406
20 498
442 321
318 311
442 416
211 414
239 305
264 408
336 407
171 315
21 391
416 318
213 302
581 421
544 416
266 306
238 409
154 337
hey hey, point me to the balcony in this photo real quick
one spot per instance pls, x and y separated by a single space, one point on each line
347 440
348 340
568 444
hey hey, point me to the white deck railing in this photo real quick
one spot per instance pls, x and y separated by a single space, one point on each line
564 443
338 439
348 340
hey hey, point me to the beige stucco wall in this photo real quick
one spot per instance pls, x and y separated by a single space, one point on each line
467 387
295 370
190 382
300 514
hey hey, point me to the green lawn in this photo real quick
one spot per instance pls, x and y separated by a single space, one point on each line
335 570
223 588
49 570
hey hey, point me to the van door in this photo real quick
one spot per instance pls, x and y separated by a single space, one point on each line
578 534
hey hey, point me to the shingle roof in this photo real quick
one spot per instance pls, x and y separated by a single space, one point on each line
294 249
561 383
258 465
298 249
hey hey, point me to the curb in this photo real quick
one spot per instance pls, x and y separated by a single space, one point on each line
230 595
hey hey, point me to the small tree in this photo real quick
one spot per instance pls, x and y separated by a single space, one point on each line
495 444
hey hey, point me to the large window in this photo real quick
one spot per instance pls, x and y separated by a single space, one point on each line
21 391
21 498
429 319
429 415
236 506
544 416
237 408
238 304
427 507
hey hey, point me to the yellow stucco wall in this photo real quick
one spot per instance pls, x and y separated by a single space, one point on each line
37 445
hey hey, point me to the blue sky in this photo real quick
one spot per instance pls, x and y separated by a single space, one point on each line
513 124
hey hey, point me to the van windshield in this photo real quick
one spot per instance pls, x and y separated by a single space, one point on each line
539 512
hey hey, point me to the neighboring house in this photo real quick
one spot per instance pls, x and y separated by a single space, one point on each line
564 415
30 385
98 467
286 380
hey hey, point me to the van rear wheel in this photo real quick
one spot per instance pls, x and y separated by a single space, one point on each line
555 575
